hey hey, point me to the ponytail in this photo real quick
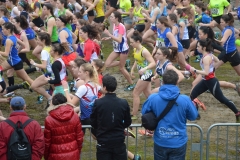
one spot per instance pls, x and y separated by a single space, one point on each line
228 18
206 43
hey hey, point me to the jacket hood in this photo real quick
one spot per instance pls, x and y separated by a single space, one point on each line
168 91
62 112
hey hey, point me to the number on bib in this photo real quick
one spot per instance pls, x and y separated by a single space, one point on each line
115 45
215 11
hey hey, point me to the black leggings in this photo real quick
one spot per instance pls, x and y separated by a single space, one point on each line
24 58
213 86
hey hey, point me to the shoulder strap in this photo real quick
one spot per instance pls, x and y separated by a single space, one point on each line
167 109
10 123
91 88
27 122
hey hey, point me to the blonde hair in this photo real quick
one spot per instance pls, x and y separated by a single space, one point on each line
87 67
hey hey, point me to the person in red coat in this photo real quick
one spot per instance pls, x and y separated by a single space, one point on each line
32 130
63 131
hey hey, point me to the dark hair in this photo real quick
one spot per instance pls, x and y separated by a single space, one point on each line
201 5
206 43
170 77
22 20
78 15
58 48
209 32
170 52
4 10
15 108
100 64
45 36
184 11
65 19
83 22
110 83
228 18
79 61
164 20
136 36
25 5
64 2
91 30
49 7
58 98
118 15
173 17
9 25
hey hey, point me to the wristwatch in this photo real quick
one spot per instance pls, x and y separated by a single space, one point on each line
195 70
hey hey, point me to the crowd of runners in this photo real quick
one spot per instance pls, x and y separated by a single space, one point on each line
66 39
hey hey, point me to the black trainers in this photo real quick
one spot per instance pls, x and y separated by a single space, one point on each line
237 117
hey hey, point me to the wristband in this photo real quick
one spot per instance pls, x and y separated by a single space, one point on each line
34 64
65 90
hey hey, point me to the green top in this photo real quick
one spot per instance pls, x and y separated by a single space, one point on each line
125 5
137 14
217 7
54 37
64 13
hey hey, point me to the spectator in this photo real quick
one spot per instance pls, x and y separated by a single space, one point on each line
63 131
32 131
170 136
109 121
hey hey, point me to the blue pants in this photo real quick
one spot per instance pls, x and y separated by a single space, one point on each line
163 153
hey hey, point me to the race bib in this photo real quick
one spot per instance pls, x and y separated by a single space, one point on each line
215 11
160 42
135 19
115 45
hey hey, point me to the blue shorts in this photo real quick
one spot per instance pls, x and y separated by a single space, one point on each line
180 47
127 20
30 33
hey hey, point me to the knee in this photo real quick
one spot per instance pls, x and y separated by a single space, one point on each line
121 69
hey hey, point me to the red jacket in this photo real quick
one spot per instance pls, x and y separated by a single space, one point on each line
63 134
32 130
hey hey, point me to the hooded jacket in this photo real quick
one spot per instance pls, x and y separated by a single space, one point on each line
171 130
63 133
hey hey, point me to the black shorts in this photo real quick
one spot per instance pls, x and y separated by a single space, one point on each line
91 13
139 27
99 19
233 58
185 43
56 42
17 66
217 19
3 85
191 32
38 22
113 4
146 77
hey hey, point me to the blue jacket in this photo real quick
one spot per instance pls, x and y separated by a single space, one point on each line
171 130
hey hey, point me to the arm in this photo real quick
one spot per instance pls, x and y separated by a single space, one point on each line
92 6
9 44
42 66
63 36
69 13
120 34
153 18
26 44
88 50
127 117
75 99
74 37
206 63
38 142
50 25
56 68
174 30
151 63
192 112
132 69
172 39
226 35
182 27
79 133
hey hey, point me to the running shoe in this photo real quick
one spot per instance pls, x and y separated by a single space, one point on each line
187 59
197 59
237 89
137 157
40 99
127 132
25 85
10 94
178 67
200 104
238 117
217 35
127 65
48 104
129 87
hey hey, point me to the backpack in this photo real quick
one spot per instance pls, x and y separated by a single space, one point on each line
91 102
19 147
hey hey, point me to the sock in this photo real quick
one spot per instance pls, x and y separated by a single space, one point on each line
30 70
11 81
13 88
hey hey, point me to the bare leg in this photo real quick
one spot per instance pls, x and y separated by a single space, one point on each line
36 86
123 58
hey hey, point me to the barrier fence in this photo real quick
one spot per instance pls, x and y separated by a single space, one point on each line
222 143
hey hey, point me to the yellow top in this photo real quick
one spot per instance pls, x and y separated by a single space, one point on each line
36 4
137 14
100 8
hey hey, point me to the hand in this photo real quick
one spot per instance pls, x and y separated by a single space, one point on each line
131 9
32 61
144 14
65 84
192 69
132 74
107 32
153 78
86 12
142 71
35 28
48 78
105 38
2 118
200 24
120 11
